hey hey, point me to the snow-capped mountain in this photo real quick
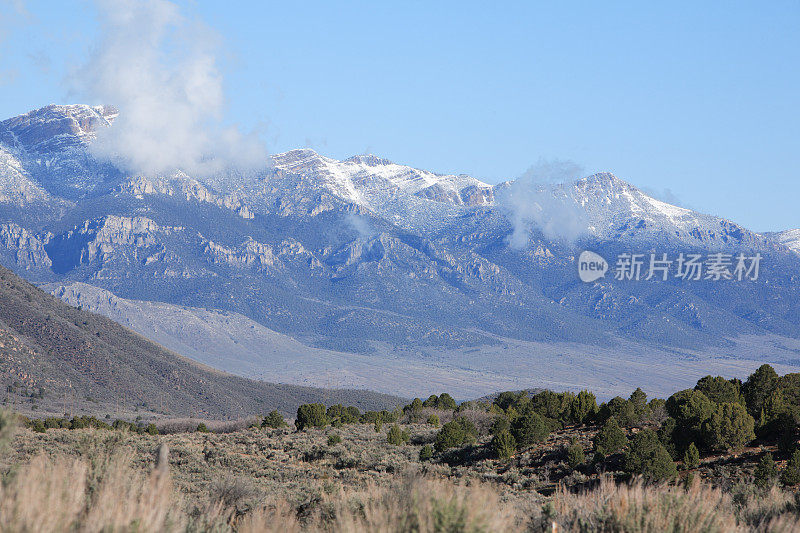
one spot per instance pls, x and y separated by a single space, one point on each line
371 181
616 210
789 238
384 266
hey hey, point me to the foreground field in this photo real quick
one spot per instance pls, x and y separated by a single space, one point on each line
351 479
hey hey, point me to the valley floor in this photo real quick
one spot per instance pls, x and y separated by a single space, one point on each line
234 343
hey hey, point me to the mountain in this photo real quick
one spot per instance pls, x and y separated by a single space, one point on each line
59 357
366 271
789 238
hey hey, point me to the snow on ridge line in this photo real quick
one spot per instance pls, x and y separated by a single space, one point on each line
371 181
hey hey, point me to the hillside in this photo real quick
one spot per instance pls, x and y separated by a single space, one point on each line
57 358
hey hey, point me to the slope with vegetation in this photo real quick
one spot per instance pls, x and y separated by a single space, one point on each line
722 456
60 359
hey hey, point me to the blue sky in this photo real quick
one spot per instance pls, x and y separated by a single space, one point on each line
694 101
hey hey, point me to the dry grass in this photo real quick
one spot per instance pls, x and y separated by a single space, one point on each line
424 505
694 509
280 480
637 507
63 494
187 425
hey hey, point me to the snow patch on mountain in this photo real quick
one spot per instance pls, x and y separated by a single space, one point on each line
372 181
15 186
616 210
789 238
56 127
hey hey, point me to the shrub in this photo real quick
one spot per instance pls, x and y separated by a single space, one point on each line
202 428
426 452
729 428
766 471
38 426
274 420
611 438
433 420
504 445
396 436
758 387
458 432
621 409
583 408
647 457
529 429
690 409
791 474
500 425
691 459
638 401
378 426
720 390
575 455
311 415
334 439
446 402
635 507
151 429
233 492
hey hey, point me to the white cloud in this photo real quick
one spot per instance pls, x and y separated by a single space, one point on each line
361 225
534 200
159 69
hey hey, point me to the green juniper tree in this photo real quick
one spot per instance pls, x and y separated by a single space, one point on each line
766 471
648 458
610 439
691 459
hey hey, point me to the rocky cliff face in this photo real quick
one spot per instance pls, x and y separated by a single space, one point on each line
24 249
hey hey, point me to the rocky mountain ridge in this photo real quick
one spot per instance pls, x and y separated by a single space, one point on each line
374 259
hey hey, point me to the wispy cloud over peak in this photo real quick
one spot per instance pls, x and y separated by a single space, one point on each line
159 68
532 201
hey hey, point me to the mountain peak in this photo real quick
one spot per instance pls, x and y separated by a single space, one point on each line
56 127
605 180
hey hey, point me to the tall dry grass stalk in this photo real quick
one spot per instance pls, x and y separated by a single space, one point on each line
638 507
66 494
126 500
424 506
45 495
